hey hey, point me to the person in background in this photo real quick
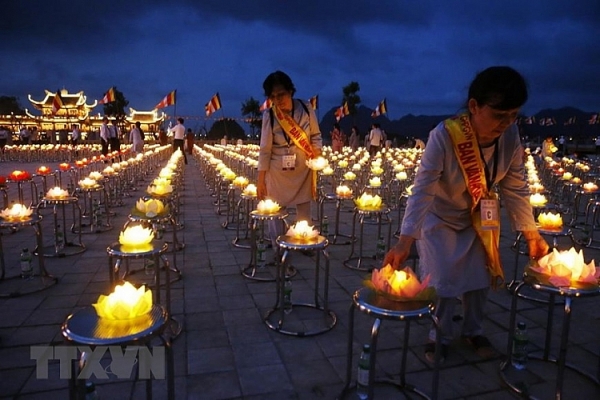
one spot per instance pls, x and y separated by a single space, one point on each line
4 133
290 136
189 140
354 140
25 135
375 139
178 132
548 148
115 137
75 135
444 213
337 138
104 136
136 138
163 140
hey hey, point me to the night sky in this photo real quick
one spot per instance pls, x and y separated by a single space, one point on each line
419 55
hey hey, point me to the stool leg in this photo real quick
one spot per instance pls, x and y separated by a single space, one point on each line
374 337
349 349
405 353
562 354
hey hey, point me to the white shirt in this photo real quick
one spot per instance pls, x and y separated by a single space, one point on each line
135 136
375 137
178 131
104 132
75 134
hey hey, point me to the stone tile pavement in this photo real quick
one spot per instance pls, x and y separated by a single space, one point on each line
227 352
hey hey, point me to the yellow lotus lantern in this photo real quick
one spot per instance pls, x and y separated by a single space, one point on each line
250 190
356 167
240 182
349 176
57 193
403 283
537 200
108 171
343 191
402 176
267 207
368 202
136 239
17 212
125 302
327 170
590 187
343 164
536 188
150 208
95 175
409 190
166 173
317 164
567 176
376 170
302 231
159 189
228 174
565 268
88 183
375 181
549 221
576 180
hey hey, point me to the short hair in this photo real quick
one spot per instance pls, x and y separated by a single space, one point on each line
180 120
278 78
499 87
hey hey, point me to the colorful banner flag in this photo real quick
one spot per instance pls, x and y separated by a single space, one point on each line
380 109
213 105
530 120
594 119
109 96
266 105
57 103
571 121
314 102
169 100
342 111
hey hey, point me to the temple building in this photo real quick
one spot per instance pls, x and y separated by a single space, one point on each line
75 111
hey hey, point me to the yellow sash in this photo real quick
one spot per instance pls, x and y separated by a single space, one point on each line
300 138
468 155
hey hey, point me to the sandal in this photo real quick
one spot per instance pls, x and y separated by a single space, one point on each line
430 352
483 347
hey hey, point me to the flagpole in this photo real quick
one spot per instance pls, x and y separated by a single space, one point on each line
224 123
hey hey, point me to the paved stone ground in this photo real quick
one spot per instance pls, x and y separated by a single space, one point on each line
227 352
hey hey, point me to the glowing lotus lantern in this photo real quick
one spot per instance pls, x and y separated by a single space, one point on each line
17 212
95 175
375 181
317 164
228 174
576 180
343 191
537 200
402 176
2 181
166 173
404 283
377 170
159 188
343 164
368 202
136 239
549 221
267 207
87 183
409 190
64 167
150 208
590 187
57 193
43 170
302 231
240 182
356 167
567 267
327 170
536 188
349 176
250 190
126 302
18 176
567 176
108 171
79 164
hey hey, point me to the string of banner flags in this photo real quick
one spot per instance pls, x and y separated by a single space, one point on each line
214 104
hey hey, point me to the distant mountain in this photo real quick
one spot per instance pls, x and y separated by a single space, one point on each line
420 125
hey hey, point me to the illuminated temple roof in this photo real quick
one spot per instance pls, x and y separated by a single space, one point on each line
70 101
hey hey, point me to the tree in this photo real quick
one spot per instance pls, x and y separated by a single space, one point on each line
351 98
226 127
10 104
251 107
117 108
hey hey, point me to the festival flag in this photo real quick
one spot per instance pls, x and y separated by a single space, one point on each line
109 96
213 105
380 109
594 119
530 120
571 121
268 103
169 100
550 121
57 103
342 111
314 102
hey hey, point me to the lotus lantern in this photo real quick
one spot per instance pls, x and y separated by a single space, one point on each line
317 164
250 190
403 283
136 239
375 181
567 176
349 176
150 208
267 207
125 302
87 183
302 231
550 221
537 200
159 188
536 187
17 212
327 170
590 187
343 191
567 267
240 182
43 170
18 176
402 176
57 193
95 175
343 164
368 202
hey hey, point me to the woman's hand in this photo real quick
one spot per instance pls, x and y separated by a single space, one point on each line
538 247
399 253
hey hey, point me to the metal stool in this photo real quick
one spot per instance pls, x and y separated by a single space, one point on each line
381 216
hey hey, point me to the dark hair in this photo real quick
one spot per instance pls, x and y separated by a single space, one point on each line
278 78
499 87
180 120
